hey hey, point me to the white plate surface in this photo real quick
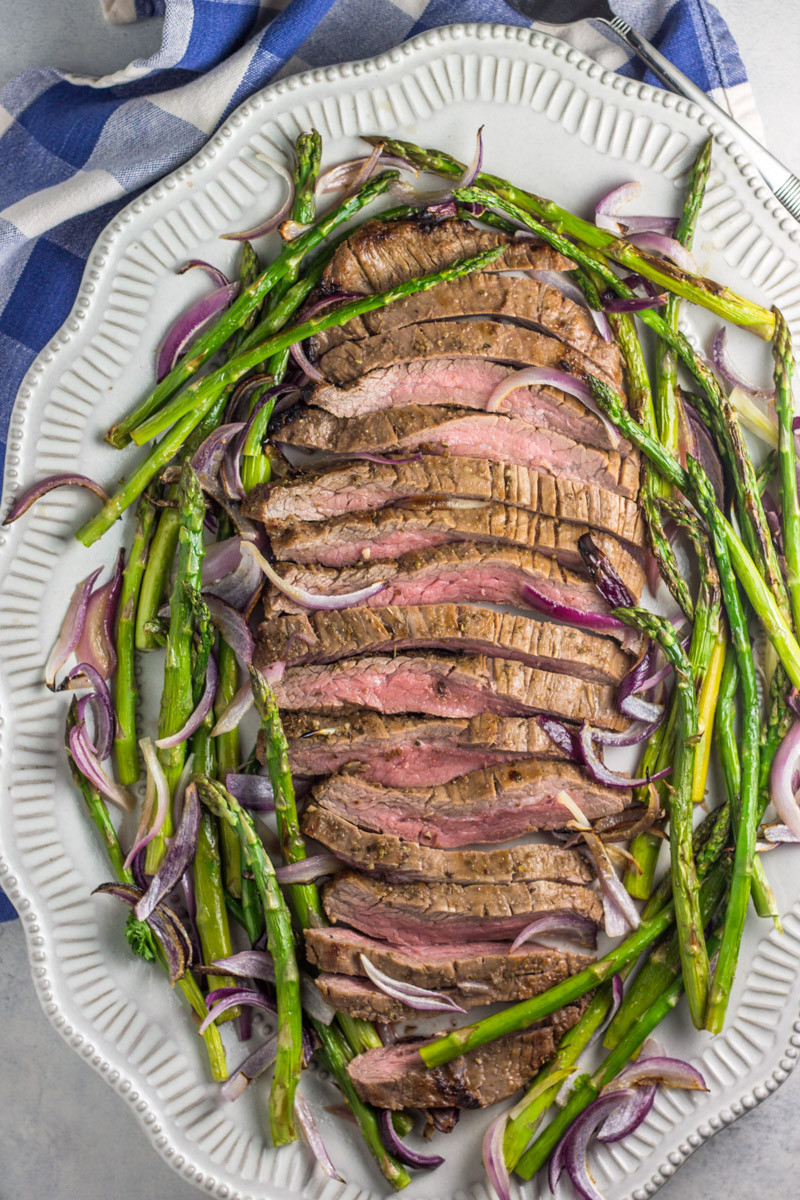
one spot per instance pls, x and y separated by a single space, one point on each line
558 123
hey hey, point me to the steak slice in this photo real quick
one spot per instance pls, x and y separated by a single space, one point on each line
496 341
493 805
390 533
409 751
326 637
463 573
415 914
396 1077
392 857
361 998
464 433
380 254
467 383
443 686
338 950
366 486
522 300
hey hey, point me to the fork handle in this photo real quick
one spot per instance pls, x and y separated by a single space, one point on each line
778 177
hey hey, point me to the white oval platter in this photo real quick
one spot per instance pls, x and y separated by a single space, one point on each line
560 124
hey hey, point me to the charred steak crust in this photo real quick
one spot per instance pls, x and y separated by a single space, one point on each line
396 1077
478 338
464 433
380 254
390 533
522 300
324 637
495 804
414 914
447 686
367 486
394 858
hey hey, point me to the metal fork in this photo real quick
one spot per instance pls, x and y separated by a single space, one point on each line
778 177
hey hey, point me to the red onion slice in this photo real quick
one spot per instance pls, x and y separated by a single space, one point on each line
156 800
96 644
165 925
619 910
265 227
494 1159
421 999
412 1158
628 1117
304 363
562 735
785 766
71 628
473 170
545 376
729 372
558 280
99 700
189 326
216 276
310 599
254 1065
229 575
343 174
639 731
606 579
603 774
249 964
606 209
233 627
570 925
252 791
662 1071
238 708
86 760
668 248
311 1136
780 835
37 490
208 457
636 304
307 870
570 1153
602 622
232 999
179 855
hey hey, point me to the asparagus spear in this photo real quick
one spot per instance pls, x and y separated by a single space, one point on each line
685 888
177 698
745 814
289 1062
790 503
209 342
704 292
195 402
757 590
125 691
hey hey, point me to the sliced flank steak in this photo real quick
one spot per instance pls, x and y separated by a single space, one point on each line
415 914
496 341
463 433
326 637
394 858
496 804
466 383
462 573
522 300
380 254
338 950
410 751
359 998
446 686
366 486
390 533
395 1076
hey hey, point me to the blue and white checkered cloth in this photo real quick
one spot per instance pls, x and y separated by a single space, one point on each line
75 150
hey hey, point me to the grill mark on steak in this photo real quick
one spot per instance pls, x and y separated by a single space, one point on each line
390 533
380 254
464 433
366 486
414 914
443 686
409 751
493 340
395 1077
326 637
337 949
466 383
396 859
522 300
496 804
